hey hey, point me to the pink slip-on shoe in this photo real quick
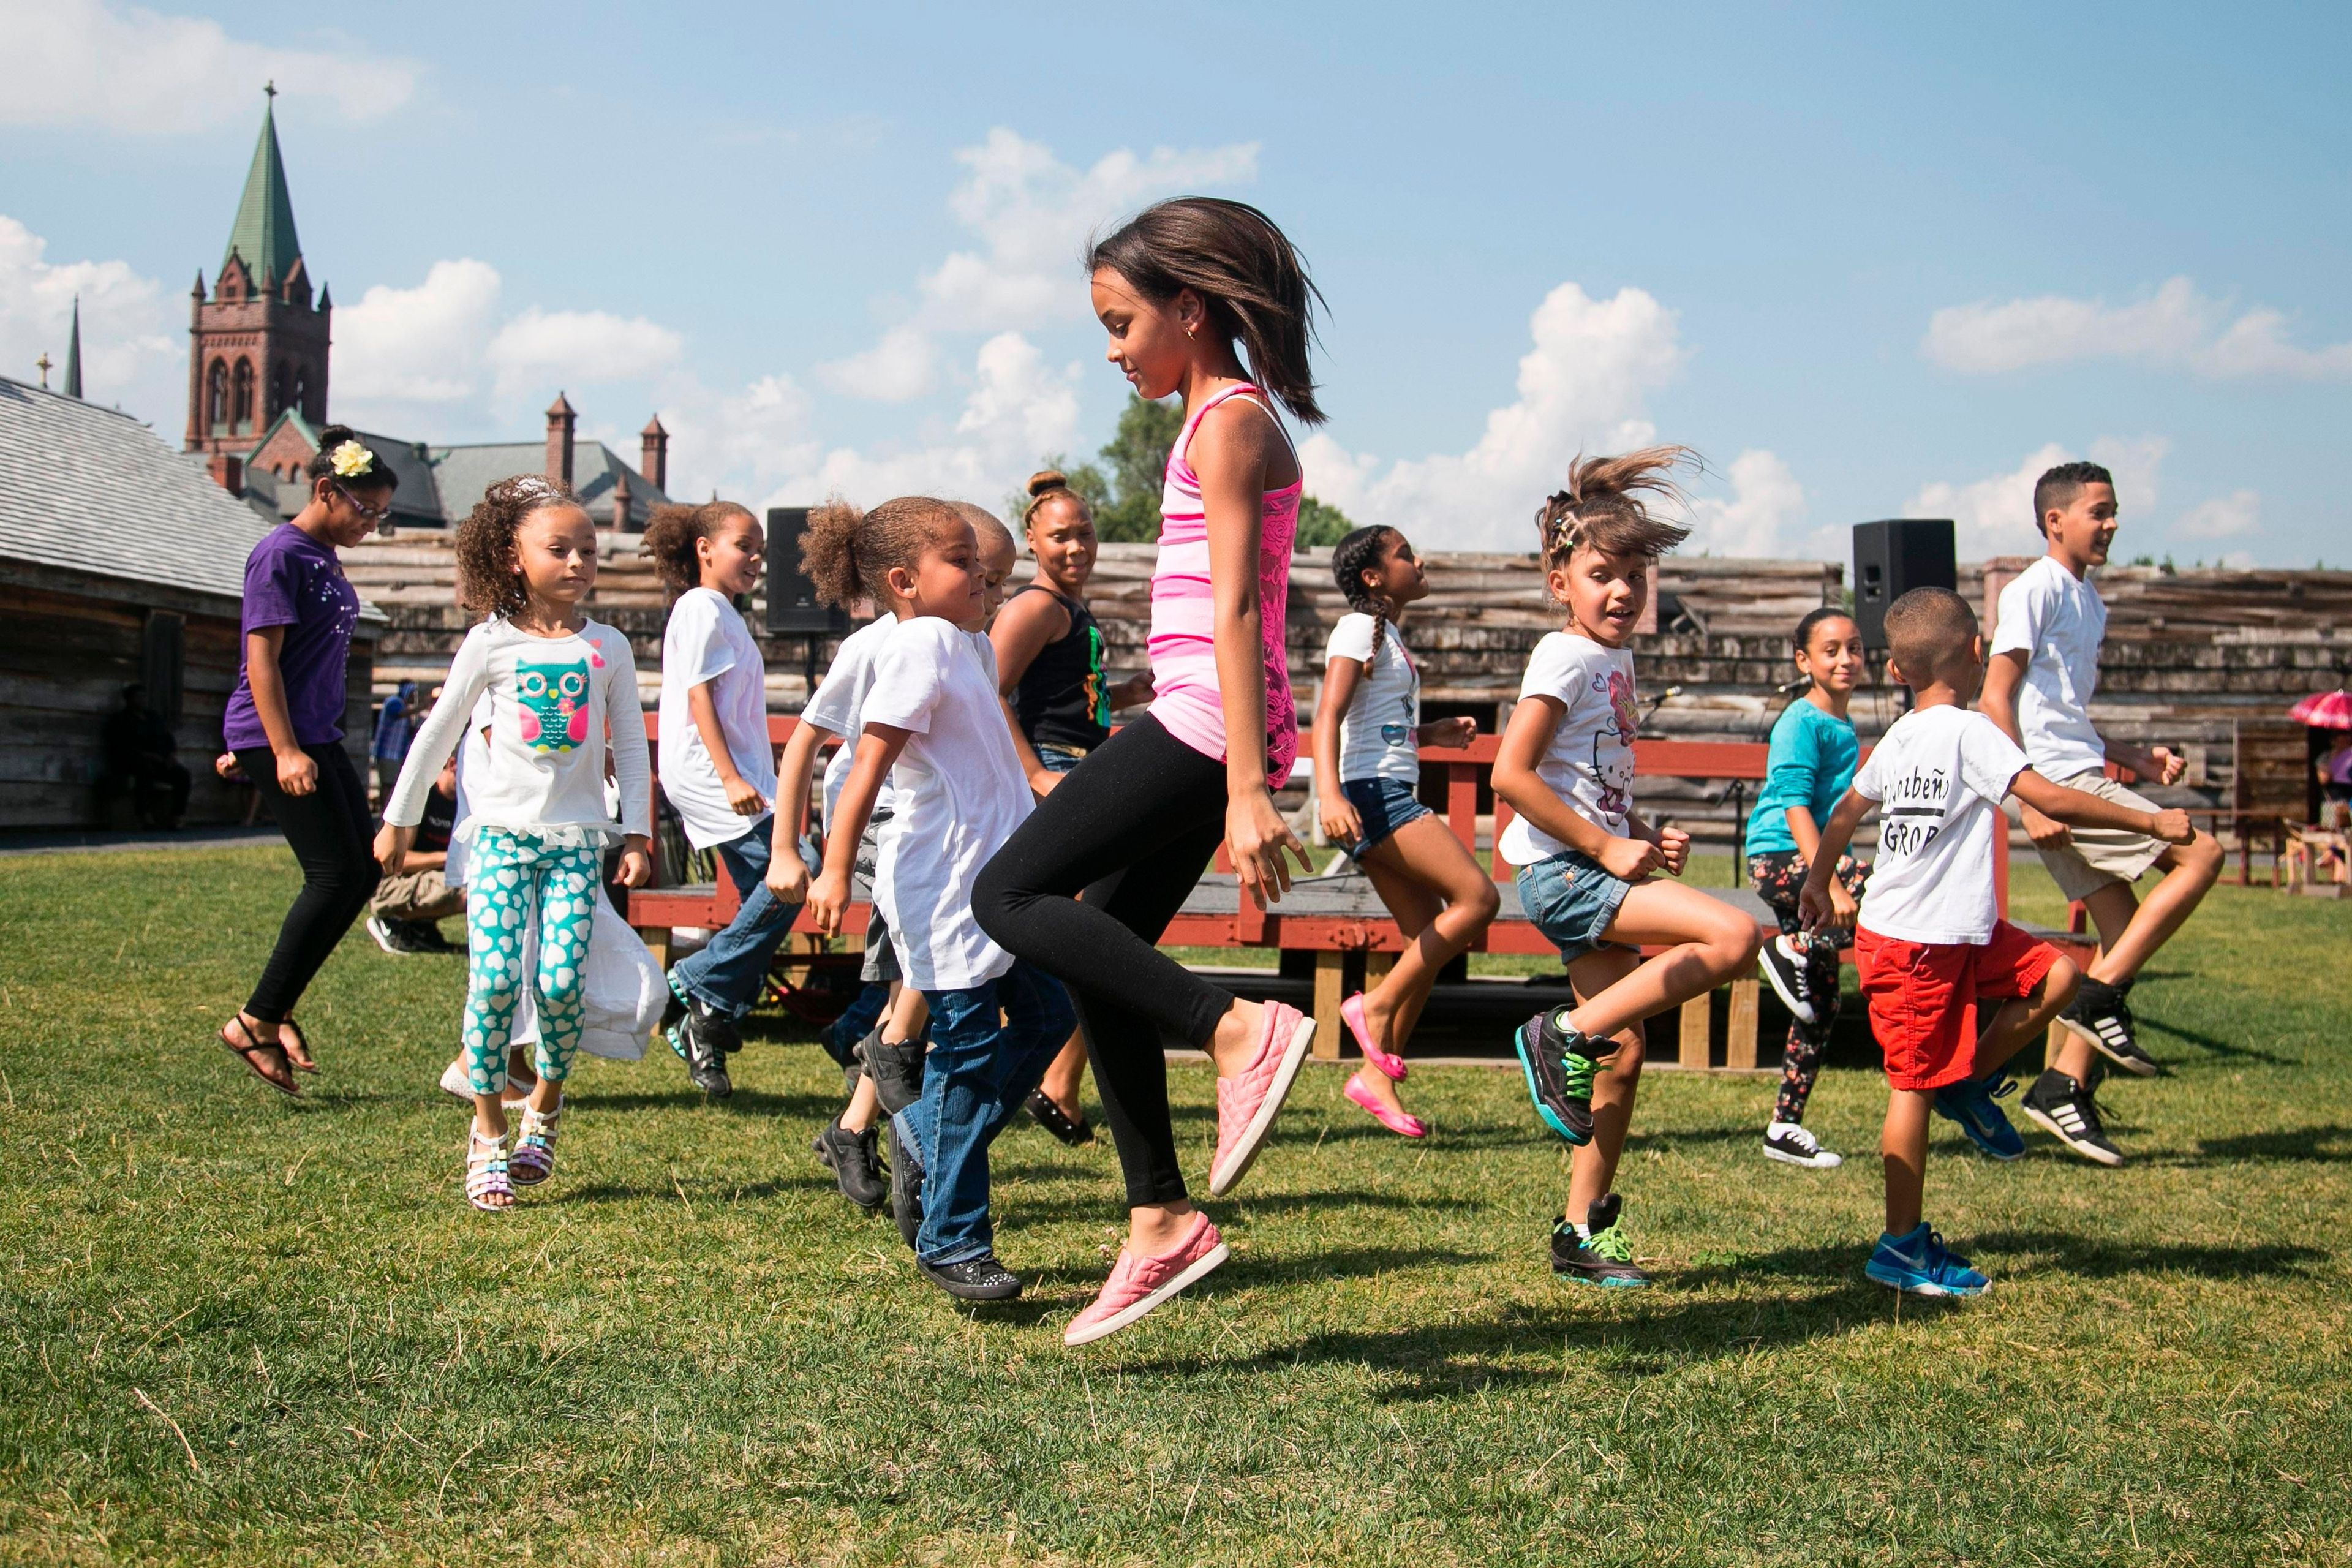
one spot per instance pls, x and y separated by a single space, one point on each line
1138 1284
1246 1104
1388 1065
1402 1123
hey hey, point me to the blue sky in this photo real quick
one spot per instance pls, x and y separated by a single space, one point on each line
1870 261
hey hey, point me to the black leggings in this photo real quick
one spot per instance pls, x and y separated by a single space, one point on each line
330 835
1133 827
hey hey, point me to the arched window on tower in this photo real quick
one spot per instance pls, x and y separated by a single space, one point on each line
216 397
279 379
242 418
297 395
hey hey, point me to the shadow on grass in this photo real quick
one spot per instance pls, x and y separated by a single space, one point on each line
2227 1050
742 1102
2288 1145
2034 1252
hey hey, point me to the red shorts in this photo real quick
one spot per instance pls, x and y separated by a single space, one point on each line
1923 997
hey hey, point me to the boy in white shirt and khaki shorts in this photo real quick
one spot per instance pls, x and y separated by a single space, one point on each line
2043 668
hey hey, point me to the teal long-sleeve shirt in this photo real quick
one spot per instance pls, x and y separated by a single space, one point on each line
1811 763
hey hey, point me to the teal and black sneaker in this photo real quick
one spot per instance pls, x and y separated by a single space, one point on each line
1604 1256
1559 1063
1919 1265
1971 1103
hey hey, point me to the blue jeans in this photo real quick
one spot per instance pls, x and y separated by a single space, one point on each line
725 975
977 1073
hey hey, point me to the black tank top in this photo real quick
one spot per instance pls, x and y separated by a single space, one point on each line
1063 699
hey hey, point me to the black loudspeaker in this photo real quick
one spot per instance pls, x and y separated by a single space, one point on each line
1890 559
793 608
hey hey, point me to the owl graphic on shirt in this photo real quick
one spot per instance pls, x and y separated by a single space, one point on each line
1615 773
554 699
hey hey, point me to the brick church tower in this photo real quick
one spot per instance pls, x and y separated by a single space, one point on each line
259 345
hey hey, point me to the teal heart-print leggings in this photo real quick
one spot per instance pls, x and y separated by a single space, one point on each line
514 881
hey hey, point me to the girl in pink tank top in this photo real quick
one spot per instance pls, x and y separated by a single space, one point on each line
1206 300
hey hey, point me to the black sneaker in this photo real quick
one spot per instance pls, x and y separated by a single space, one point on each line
2101 1015
1558 1062
389 936
429 938
1786 970
1049 1116
706 1064
975 1280
896 1071
1603 1256
2066 1110
856 1164
905 1189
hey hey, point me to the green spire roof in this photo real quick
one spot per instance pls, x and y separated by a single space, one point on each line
264 233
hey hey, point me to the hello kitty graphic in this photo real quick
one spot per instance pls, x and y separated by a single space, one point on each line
1612 743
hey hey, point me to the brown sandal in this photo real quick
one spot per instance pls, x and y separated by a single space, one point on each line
251 1051
297 1047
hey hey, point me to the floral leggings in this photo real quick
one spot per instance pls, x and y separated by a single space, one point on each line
513 881
1780 877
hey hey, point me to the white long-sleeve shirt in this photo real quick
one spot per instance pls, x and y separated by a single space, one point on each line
551 699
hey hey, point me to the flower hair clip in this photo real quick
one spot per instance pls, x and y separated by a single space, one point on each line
351 460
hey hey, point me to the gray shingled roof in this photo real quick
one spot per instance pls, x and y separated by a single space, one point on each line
416 497
86 489
463 473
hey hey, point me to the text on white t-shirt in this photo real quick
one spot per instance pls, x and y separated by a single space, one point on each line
1938 775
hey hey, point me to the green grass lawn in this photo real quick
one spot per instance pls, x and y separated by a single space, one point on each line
234 1329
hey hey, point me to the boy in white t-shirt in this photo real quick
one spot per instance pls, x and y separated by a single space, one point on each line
718 769
1930 942
2038 689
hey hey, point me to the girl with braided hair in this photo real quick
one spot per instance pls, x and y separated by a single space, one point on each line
1367 733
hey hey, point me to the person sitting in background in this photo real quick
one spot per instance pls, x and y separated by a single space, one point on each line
2334 772
394 727
138 752
406 912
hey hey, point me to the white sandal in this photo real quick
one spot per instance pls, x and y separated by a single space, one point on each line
486 1171
534 1151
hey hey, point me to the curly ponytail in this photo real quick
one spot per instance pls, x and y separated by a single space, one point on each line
847 552
672 532
1602 507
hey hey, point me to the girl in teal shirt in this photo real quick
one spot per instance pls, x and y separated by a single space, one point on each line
1811 763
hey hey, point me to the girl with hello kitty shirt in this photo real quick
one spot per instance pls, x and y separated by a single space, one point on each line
558 685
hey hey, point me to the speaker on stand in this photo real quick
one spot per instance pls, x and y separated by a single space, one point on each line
793 608
1892 557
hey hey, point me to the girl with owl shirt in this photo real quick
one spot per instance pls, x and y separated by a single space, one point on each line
538 823
1587 860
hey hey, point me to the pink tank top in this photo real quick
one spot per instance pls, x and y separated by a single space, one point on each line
1184 646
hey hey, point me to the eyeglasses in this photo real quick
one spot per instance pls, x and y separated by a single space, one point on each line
373 513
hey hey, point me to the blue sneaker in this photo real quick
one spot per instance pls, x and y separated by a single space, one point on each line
1919 1265
1971 1105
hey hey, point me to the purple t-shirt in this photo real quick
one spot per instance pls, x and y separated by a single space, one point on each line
293 581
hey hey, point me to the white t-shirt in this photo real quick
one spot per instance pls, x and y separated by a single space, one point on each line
1376 733
1590 764
2057 620
835 707
550 702
960 793
1938 775
707 641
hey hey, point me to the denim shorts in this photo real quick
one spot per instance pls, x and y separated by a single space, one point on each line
1384 805
1572 899
1056 759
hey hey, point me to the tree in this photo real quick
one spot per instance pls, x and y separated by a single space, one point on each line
1125 498
1321 524
1085 479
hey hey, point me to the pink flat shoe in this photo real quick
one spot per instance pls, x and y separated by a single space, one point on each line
1246 1104
1138 1284
1390 1067
1401 1122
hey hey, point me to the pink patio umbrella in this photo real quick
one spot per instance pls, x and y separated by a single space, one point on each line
2324 711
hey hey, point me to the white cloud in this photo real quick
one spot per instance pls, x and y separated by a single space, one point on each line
897 368
129 354
1765 503
2176 327
82 63
1583 387
2222 517
540 347
1994 516
416 345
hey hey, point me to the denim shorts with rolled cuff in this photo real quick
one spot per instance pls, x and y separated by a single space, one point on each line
1056 759
1383 805
1572 899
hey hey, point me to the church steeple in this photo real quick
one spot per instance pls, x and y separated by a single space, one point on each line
263 236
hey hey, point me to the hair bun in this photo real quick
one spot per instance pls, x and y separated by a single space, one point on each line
335 436
1046 480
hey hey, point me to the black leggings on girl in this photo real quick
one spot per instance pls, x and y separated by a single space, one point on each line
329 830
1133 827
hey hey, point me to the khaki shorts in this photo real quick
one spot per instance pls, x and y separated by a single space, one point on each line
2099 856
416 896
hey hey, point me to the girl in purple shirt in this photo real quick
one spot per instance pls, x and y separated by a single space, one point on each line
285 725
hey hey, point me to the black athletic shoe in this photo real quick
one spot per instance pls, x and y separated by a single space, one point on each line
1558 1063
975 1280
706 1062
1604 1256
856 1164
718 1028
1786 970
2101 1015
905 1189
2065 1110
896 1071
424 936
